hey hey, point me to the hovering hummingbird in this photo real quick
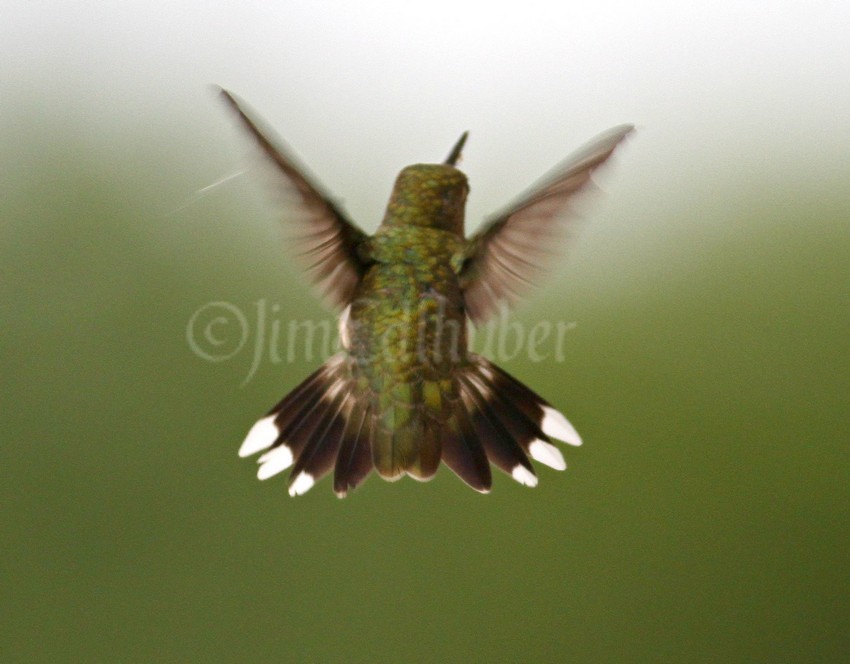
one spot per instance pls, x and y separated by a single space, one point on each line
405 393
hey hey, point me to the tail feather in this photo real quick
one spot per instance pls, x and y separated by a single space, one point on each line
301 426
408 429
539 411
501 445
296 396
463 451
333 421
266 432
427 463
319 454
393 441
298 421
526 415
288 420
354 460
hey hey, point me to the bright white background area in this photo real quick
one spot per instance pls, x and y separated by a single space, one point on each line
731 99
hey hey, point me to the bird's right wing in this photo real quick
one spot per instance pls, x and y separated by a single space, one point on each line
322 236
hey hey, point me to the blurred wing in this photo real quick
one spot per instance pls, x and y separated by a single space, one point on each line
322 236
508 255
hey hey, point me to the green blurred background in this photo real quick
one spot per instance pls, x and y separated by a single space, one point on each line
706 517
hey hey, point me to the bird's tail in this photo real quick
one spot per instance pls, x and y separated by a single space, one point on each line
500 421
324 424
333 421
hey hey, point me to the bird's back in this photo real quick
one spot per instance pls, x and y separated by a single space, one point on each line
406 335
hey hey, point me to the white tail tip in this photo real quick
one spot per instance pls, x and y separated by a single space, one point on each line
261 436
524 476
547 454
302 484
557 426
271 463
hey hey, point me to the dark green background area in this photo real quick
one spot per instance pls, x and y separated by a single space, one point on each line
705 519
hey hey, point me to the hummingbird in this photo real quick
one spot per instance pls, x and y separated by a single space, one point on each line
405 393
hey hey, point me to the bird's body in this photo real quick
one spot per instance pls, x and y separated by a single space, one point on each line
406 324
405 393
